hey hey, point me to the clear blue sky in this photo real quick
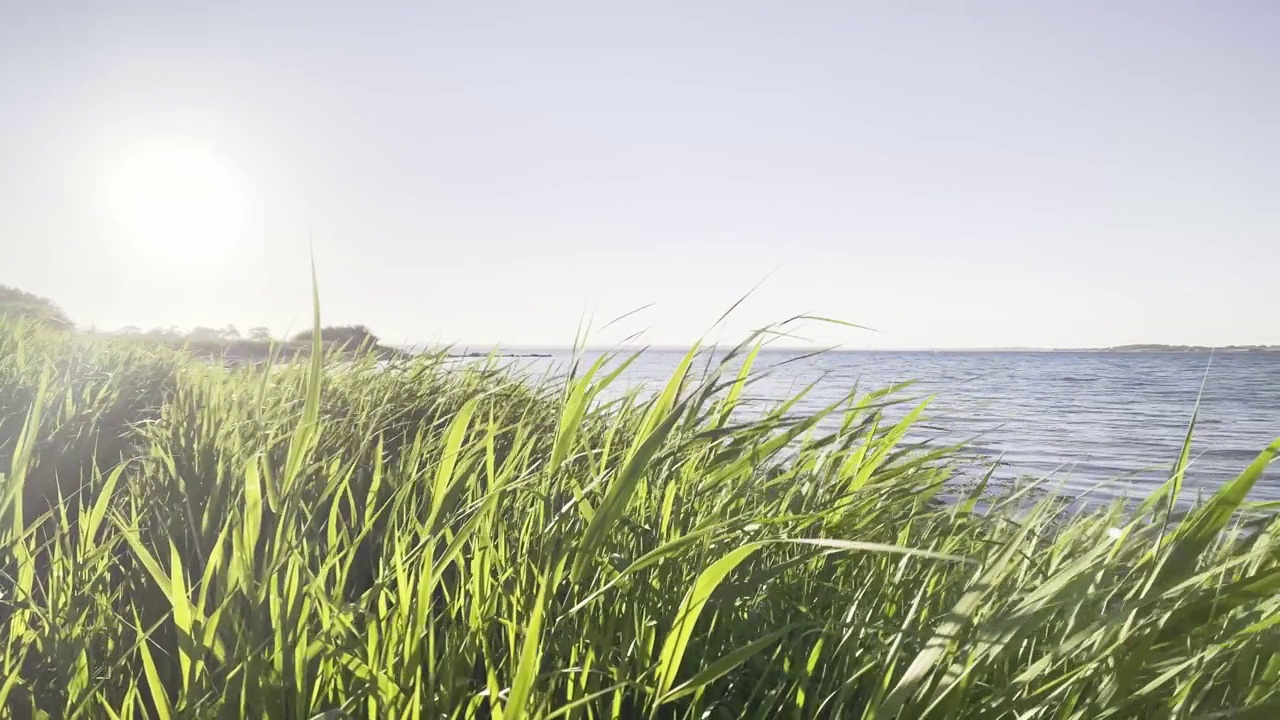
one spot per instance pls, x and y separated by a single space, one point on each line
1010 173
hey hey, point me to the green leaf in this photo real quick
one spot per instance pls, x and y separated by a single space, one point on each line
159 696
575 408
673 648
1200 528
619 493
530 659
454 436
98 511
949 630
723 666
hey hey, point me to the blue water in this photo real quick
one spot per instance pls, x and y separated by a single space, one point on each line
1084 418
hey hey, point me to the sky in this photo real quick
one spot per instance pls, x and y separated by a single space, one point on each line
996 174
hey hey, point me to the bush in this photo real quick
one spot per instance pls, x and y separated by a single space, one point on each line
18 304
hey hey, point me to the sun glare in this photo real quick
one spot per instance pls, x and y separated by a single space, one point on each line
178 203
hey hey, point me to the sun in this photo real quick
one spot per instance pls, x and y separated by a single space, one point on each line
177 202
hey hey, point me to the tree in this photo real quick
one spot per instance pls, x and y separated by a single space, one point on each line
260 334
17 303
349 335
200 333
230 333
169 333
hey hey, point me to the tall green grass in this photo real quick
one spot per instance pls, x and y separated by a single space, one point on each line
351 539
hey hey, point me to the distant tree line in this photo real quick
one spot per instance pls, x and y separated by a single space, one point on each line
199 334
349 335
15 303
1151 347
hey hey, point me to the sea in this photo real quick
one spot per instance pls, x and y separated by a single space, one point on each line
1098 424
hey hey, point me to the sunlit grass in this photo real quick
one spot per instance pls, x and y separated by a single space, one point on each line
436 540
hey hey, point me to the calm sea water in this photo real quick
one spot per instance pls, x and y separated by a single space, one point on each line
1083 417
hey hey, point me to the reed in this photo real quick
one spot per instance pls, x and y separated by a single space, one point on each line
333 538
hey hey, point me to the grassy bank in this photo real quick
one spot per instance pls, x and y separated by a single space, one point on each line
184 540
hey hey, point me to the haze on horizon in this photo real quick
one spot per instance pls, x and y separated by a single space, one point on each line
1055 174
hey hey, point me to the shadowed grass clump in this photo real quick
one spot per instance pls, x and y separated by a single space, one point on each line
425 539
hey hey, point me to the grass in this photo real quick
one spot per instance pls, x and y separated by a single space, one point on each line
345 539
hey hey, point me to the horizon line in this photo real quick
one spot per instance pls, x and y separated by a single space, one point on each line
1127 347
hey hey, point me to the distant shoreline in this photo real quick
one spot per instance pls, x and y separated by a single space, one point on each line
1191 348
551 352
